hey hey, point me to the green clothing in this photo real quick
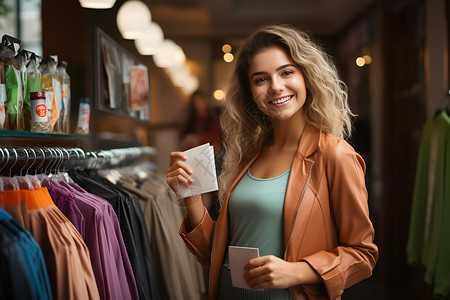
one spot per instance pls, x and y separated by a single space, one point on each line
429 233
256 220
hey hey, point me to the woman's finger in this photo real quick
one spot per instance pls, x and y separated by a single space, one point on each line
177 155
180 172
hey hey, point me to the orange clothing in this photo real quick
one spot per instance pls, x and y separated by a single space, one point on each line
66 255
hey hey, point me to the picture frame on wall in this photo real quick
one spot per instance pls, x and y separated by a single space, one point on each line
122 85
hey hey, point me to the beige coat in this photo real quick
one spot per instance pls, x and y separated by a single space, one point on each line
326 219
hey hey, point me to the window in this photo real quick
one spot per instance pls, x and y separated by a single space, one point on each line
22 20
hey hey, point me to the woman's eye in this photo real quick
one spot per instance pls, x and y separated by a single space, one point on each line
260 80
287 73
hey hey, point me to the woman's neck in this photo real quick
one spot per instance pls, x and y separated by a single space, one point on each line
287 133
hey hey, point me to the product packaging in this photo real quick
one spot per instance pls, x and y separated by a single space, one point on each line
39 113
48 83
23 58
65 95
34 75
83 117
3 108
13 81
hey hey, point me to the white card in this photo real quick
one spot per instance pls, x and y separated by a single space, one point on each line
238 257
201 160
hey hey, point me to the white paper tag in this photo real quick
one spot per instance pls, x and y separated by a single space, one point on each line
238 257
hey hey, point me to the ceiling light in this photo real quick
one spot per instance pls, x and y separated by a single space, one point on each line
133 18
191 85
179 74
149 42
97 4
169 55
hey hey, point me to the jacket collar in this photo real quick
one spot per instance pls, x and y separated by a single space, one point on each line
310 140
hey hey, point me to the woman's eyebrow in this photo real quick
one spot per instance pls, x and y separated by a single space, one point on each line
277 69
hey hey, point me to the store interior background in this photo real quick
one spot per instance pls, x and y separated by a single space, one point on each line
406 83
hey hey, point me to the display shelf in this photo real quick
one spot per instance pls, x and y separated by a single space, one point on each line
16 134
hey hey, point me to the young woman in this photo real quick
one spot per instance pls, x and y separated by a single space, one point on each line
290 186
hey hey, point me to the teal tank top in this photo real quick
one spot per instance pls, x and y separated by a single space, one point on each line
256 220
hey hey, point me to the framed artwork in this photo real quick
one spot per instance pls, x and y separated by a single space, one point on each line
121 80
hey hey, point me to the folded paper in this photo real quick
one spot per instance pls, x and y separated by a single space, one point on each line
201 161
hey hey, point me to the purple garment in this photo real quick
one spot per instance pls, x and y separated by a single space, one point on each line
65 201
102 235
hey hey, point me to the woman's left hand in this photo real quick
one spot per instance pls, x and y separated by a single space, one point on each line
273 272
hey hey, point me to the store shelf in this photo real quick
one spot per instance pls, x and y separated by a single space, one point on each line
29 135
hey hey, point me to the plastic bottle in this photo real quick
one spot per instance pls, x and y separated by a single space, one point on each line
83 117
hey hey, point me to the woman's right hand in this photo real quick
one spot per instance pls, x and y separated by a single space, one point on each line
178 172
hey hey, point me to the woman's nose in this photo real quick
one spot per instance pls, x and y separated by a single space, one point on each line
276 85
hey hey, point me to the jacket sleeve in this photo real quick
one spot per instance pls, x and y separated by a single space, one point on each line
199 239
356 254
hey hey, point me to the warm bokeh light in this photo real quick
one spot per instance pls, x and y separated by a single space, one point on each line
219 94
360 61
228 57
226 48
367 59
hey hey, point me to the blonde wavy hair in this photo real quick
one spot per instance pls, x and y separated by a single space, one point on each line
246 129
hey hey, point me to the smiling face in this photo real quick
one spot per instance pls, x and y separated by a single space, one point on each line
277 84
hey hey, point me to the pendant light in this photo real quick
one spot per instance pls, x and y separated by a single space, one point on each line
148 43
169 54
97 4
133 18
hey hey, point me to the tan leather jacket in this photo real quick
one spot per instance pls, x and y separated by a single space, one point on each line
326 219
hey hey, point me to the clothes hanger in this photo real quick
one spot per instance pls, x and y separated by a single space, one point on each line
41 164
61 174
49 166
64 174
33 178
11 183
24 182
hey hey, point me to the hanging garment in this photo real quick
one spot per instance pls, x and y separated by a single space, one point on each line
15 282
65 253
98 225
180 275
127 210
429 233
29 259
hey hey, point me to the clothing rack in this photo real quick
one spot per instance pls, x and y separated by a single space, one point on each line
32 160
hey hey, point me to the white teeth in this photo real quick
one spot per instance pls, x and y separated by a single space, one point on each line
281 100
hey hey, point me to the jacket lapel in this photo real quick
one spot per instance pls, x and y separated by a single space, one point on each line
298 179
